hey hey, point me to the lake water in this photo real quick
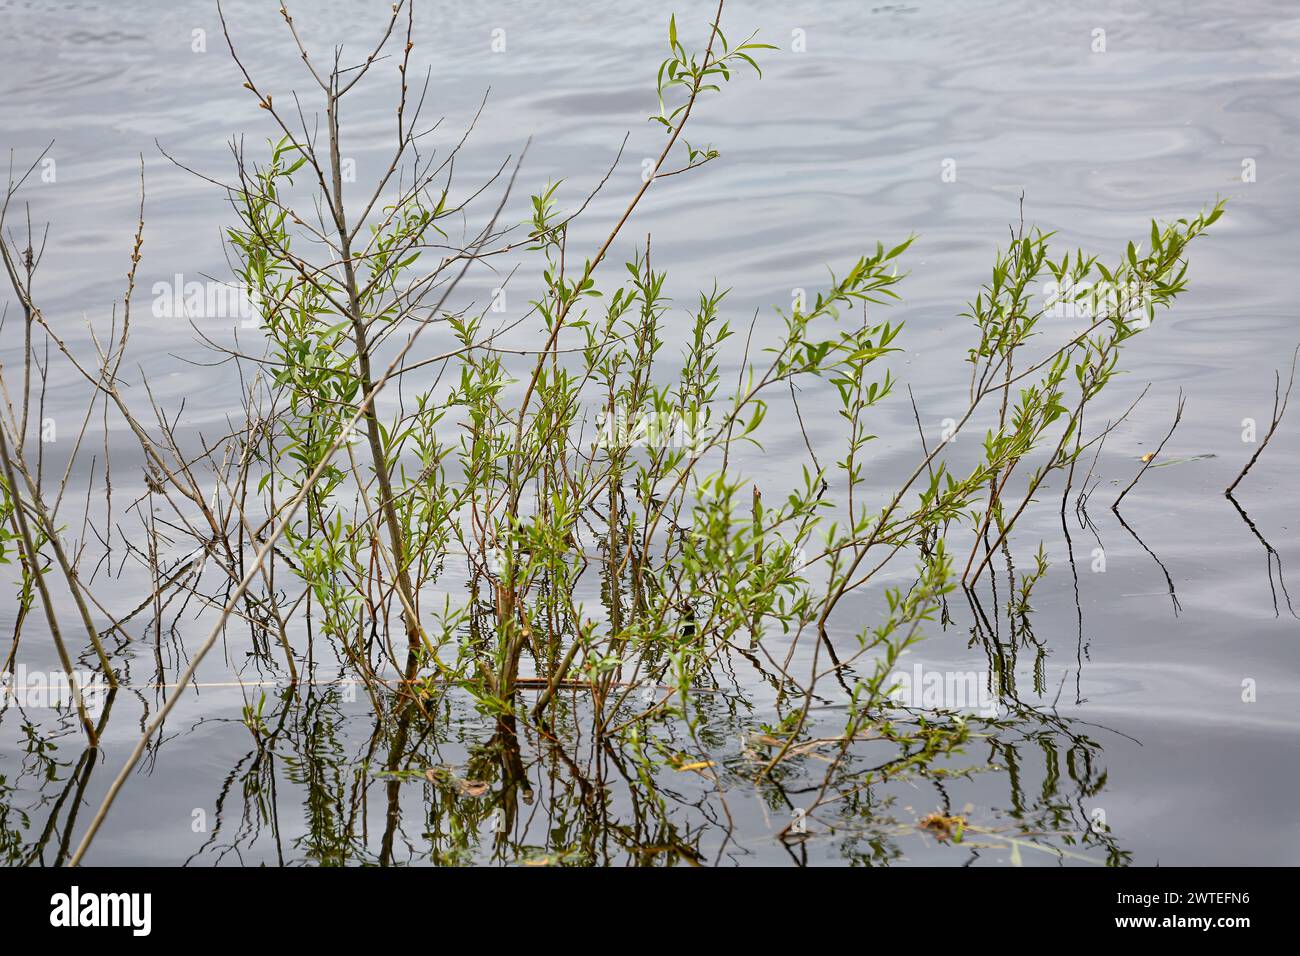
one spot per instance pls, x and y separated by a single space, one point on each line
1166 722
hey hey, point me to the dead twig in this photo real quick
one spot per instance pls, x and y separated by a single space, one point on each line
1148 459
1279 409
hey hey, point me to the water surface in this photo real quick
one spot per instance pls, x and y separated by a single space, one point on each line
1136 694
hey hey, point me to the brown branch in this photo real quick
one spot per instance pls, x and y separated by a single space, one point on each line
1279 409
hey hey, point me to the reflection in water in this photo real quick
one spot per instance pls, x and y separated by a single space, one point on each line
1271 556
1173 594
334 771
321 779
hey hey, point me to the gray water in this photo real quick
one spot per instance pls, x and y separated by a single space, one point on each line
836 147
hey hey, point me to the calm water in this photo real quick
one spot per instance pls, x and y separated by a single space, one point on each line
1139 713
